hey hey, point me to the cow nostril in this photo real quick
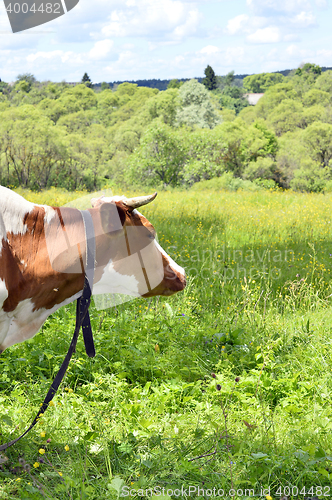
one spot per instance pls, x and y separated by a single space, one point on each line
170 274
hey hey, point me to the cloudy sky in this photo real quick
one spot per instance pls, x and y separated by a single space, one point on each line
138 39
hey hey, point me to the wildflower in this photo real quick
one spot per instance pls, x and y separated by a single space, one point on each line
60 473
18 479
36 464
41 451
51 403
42 434
49 440
218 387
213 375
237 379
67 447
268 497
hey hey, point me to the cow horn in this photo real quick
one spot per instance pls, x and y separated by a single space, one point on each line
139 201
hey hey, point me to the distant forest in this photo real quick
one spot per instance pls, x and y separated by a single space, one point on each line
78 136
155 83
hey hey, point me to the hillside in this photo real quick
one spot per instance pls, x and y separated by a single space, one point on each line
75 137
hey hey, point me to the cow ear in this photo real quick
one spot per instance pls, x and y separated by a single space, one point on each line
112 217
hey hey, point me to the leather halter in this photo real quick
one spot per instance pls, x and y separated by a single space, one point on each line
82 320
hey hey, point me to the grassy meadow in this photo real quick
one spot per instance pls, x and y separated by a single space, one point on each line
223 390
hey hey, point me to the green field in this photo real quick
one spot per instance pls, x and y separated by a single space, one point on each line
226 385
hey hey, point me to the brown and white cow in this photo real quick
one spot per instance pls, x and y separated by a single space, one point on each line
40 272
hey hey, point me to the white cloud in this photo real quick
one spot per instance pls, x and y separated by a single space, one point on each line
269 6
60 55
101 49
271 34
222 60
172 18
209 50
295 52
304 19
237 24
291 37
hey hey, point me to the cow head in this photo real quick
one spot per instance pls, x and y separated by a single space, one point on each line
129 259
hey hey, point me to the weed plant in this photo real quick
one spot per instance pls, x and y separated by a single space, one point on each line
226 385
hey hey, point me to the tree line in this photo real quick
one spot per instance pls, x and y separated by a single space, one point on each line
54 134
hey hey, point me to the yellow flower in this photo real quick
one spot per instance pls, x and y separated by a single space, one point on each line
67 447
36 464
42 434
18 479
51 403
268 497
41 451
60 473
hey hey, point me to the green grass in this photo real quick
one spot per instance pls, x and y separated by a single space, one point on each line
226 385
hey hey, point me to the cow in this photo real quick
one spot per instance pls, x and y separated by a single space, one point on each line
42 251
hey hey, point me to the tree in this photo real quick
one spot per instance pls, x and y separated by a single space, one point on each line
232 98
77 122
310 177
324 81
315 96
261 82
210 80
196 108
262 168
274 96
164 105
31 145
104 86
259 142
287 116
229 78
174 84
27 77
308 68
317 137
86 80
4 88
305 77
160 158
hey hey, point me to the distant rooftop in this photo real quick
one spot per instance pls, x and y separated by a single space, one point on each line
253 98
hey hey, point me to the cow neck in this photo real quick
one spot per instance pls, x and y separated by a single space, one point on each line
82 320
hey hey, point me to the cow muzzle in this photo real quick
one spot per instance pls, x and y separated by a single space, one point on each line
173 282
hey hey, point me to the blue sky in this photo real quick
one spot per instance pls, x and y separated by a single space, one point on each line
136 39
